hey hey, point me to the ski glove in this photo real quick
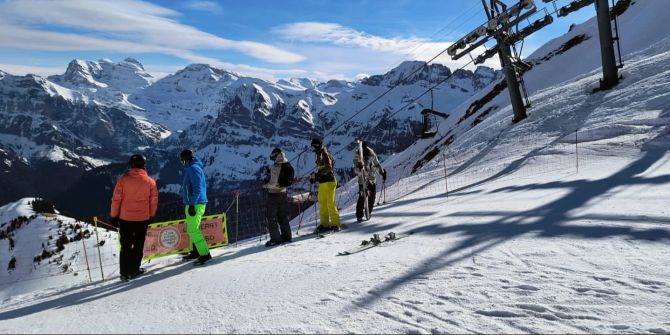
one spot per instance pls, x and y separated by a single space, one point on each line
384 175
114 222
191 210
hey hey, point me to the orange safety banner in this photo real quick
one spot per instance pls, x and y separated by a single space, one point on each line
171 237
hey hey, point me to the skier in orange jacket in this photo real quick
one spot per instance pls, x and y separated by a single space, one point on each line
134 205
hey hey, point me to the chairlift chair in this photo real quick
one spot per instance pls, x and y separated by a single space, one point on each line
427 113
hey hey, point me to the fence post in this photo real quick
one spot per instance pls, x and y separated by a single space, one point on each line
85 254
576 152
97 240
446 184
237 218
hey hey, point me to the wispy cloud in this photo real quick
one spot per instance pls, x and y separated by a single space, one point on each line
359 46
340 35
121 25
205 6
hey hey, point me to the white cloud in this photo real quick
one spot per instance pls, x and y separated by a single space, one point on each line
360 46
205 6
340 35
120 25
20 70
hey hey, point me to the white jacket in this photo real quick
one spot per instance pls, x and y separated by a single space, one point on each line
275 169
371 166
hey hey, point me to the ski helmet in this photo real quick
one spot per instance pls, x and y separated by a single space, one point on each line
186 156
317 143
137 161
275 153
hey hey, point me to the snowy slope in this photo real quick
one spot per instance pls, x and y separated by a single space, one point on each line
65 267
523 243
555 66
532 252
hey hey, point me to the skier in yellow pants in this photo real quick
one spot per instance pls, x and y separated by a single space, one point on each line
330 217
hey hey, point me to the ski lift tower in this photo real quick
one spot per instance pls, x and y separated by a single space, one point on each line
607 37
501 21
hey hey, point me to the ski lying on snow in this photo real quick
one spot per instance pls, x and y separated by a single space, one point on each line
374 241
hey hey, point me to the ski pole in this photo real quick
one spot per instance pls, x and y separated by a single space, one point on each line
265 219
81 234
381 195
297 231
302 213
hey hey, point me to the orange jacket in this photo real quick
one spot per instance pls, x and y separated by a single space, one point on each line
135 196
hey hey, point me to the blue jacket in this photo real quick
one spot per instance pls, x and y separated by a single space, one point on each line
193 188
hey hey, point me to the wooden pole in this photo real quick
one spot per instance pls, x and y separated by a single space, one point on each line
97 240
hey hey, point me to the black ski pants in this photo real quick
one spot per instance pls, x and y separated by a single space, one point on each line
372 193
277 219
132 246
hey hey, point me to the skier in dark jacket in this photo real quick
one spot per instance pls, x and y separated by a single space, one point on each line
366 168
280 176
194 197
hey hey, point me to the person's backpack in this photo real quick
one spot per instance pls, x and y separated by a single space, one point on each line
286 175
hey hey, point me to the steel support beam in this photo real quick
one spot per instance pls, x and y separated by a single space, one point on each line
610 71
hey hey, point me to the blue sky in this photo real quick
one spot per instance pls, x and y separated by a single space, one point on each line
268 39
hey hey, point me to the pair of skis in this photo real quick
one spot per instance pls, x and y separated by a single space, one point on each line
375 241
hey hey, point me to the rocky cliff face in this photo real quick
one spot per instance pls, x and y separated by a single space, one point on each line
235 139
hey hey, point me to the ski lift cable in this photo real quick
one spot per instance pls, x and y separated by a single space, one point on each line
417 98
401 81
418 45
398 83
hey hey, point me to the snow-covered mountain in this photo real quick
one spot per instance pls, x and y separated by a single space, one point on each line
99 112
60 133
127 76
249 116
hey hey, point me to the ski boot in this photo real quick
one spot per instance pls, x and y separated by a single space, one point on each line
202 260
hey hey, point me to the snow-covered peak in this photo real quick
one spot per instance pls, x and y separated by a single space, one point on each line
485 72
15 209
304 83
127 75
133 62
30 83
336 86
408 73
205 72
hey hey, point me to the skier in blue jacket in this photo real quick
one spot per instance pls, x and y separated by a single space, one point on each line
194 196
